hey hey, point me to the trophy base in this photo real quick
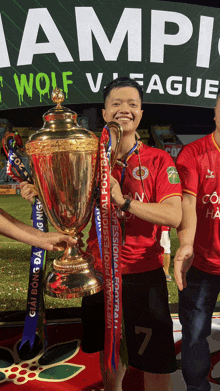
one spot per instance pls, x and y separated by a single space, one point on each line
70 286
73 277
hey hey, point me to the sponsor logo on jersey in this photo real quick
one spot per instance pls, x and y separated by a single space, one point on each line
173 175
210 174
213 198
140 172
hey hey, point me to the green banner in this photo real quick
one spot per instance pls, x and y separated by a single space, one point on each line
171 49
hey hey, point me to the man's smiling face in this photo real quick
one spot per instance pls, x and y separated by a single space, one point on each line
123 105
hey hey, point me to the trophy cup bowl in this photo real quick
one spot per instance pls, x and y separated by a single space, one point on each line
64 162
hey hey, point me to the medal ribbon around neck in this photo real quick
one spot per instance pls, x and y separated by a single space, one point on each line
109 237
35 303
125 163
119 212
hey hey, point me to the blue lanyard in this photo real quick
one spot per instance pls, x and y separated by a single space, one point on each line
125 163
109 148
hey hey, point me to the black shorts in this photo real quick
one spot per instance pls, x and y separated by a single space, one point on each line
148 324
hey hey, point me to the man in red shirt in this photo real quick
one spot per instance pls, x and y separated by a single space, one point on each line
197 261
149 178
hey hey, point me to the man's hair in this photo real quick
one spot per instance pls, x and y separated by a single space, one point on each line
122 82
218 95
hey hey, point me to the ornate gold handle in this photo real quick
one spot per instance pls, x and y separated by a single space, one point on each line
112 125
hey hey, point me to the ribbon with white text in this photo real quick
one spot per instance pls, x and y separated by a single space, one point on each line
110 252
37 265
38 255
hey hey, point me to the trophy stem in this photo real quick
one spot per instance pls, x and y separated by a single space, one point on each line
72 259
71 251
73 275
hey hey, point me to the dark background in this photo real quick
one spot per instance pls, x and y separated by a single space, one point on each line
183 119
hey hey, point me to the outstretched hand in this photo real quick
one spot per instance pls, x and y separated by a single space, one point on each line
182 263
55 241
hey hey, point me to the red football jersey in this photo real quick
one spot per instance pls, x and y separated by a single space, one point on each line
199 168
141 250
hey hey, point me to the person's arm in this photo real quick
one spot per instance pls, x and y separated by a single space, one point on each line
186 233
15 229
168 212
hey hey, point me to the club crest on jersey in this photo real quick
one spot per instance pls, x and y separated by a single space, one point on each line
173 175
140 172
210 174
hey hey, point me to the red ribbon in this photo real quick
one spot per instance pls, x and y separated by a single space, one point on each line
116 248
111 244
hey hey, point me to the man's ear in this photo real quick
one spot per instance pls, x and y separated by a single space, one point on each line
214 112
103 115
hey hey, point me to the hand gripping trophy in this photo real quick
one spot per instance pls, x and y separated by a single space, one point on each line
64 162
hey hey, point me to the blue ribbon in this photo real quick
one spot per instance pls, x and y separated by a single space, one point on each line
15 161
38 257
109 148
98 224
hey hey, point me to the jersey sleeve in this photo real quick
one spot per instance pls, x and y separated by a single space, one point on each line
187 168
168 182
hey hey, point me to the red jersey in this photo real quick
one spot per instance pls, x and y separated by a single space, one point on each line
199 169
141 250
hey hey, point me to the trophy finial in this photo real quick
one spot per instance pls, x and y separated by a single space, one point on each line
57 96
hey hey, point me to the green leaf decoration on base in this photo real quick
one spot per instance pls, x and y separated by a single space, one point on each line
2 376
59 353
60 372
6 358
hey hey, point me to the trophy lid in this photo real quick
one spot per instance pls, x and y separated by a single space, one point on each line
60 122
59 113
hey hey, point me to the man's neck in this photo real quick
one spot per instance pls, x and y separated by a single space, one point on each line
128 142
217 136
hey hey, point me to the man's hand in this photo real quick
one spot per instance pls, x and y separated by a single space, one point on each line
116 194
55 241
182 262
28 191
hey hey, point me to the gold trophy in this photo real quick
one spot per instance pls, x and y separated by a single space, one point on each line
64 162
